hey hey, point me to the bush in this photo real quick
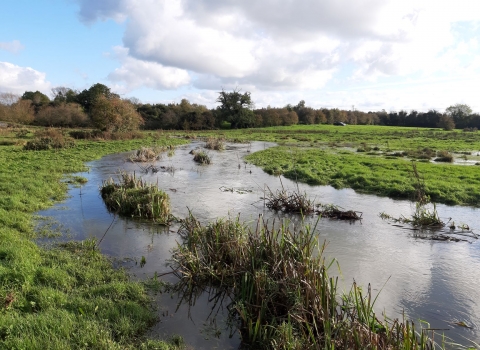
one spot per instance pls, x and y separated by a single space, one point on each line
49 139
115 115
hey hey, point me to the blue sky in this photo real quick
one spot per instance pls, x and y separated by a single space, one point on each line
374 54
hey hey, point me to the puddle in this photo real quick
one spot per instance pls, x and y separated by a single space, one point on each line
435 281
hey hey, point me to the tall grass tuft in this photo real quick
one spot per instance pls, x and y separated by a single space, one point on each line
281 295
202 157
215 143
147 154
134 197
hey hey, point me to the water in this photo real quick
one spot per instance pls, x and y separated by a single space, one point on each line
429 280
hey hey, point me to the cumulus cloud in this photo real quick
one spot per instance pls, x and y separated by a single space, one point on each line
18 79
14 46
286 45
137 73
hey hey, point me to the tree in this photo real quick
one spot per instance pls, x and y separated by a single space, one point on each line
236 108
446 123
115 115
460 114
19 112
38 99
88 97
62 115
62 94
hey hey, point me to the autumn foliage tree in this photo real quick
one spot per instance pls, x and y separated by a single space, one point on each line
115 115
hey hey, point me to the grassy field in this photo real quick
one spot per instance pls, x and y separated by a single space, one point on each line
71 297
68 297
370 159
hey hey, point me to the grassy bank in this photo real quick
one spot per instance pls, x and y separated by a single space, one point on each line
69 296
450 184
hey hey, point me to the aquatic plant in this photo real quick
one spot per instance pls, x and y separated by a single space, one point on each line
135 197
147 154
215 143
278 288
444 156
202 157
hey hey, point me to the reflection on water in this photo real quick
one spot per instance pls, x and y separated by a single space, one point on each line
434 281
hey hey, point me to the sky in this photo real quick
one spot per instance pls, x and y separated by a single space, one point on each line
365 55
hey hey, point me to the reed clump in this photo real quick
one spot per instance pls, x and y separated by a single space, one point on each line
202 157
147 154
134 197
279 291
444 156
215 143
289 201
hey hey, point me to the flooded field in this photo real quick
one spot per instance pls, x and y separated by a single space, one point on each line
438 282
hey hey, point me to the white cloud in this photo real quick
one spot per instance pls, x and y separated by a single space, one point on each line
14 46
18 79
290 46
138 73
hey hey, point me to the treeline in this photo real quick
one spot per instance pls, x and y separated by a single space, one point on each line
100 108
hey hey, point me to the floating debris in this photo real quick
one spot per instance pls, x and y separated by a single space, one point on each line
334 212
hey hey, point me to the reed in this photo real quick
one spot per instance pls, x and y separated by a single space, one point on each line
215 143
202 157
280 293
134 197
289 201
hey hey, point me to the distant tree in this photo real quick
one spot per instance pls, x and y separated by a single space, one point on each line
38 99
236 108
62 94
62 115
8 98
21 112
446 123
114 115
460 114
87 98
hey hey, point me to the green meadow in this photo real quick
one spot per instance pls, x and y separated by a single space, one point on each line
68 296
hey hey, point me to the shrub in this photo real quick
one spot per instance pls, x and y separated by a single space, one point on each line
49 139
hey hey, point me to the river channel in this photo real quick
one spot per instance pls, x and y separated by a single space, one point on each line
434 281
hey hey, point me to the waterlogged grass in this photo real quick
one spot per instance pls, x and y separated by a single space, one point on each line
69 296
279 291
444 183
134 197
365 137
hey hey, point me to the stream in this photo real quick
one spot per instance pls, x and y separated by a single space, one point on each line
434 281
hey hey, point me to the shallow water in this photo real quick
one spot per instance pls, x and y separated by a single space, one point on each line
429 280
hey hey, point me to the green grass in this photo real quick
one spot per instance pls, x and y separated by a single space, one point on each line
450 184
67 297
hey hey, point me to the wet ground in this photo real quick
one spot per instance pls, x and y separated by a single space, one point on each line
434 281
